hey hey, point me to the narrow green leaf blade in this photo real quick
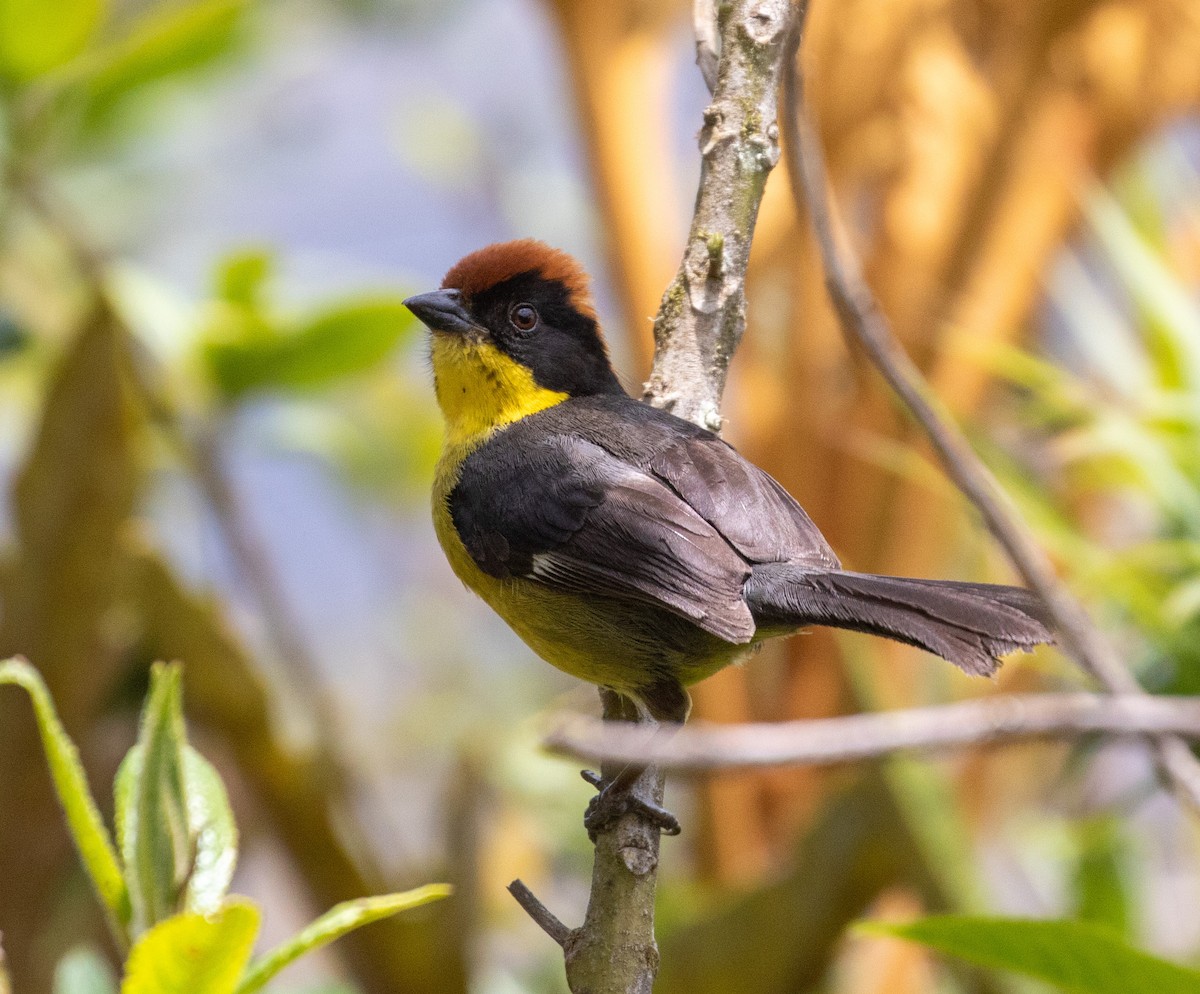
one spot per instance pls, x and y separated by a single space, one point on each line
1078 957
335 923
211 825
39 35
340 342
152 801
128 775
88 831
194 954
1172 319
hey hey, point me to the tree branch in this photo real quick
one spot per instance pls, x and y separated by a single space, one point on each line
708 41
864 323
702 316
696 332
994 721
614 951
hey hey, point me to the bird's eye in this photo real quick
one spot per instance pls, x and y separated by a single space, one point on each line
523 317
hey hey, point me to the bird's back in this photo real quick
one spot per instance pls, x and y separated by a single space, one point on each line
760 520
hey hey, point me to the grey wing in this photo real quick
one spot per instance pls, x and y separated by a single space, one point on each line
755 514
570 515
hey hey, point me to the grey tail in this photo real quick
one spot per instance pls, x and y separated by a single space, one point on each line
969 624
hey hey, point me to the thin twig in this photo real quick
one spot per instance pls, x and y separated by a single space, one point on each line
203 452
864 322
993 721
544 917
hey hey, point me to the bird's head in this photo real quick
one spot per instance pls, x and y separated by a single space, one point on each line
514 331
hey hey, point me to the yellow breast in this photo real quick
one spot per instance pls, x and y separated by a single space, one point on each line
480 391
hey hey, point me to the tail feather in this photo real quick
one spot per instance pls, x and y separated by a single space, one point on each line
969 624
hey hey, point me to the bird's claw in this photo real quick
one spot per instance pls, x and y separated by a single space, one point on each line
615 800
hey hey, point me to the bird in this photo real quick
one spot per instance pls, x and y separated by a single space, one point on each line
626 546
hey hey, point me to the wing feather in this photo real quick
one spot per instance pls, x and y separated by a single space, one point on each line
755 514
569 514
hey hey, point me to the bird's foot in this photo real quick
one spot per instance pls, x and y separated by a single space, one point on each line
615 799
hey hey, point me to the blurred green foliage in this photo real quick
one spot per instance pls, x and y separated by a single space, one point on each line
1076 957
108 402
1115 488
166 893
36 37
1100 880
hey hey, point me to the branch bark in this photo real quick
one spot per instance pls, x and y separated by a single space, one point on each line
546 919
702 315
864 322
614 951
994 721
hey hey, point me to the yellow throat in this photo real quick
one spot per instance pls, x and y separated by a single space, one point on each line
480 390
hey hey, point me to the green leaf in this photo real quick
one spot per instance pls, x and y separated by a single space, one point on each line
242 276
1101 893
194 954
1171 315
88 831
341 342
84 971
333 925
211 825
1078 957
39 35
171 39
152 805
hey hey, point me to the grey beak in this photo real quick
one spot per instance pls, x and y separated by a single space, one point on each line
441 310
